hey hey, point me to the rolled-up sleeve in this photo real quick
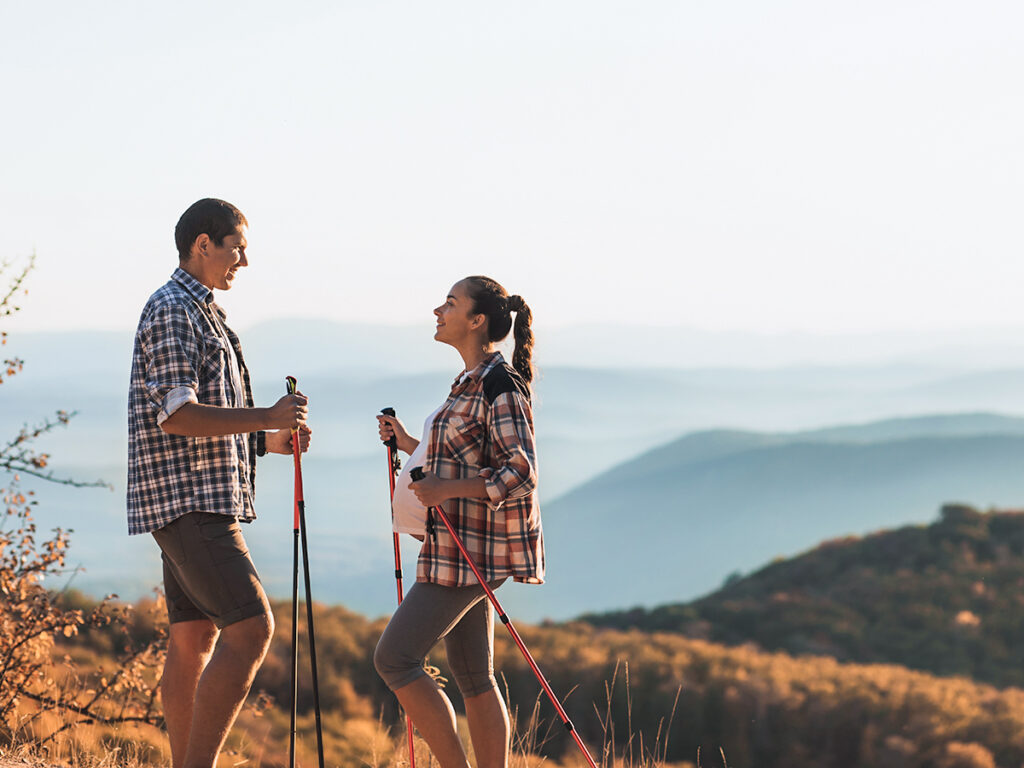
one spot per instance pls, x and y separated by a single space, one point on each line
175 399
171 352
512 441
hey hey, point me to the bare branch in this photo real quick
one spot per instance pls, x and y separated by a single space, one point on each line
14 466
16 456
6 308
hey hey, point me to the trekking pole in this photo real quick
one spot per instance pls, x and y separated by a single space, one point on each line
299 527
417 474
295 607
395 464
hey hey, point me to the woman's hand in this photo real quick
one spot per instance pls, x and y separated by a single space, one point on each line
390 426
432 491
280 441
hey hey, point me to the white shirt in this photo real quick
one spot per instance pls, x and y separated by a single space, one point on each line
408 515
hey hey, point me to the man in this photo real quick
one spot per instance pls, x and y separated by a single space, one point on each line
193 438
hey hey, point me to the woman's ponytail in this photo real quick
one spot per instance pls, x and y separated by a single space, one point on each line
492 300
522 357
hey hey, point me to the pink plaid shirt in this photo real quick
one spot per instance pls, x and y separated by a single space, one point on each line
485 429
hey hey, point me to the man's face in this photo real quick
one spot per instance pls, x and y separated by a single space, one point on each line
219 263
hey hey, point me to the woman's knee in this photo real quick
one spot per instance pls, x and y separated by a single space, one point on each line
472 684
395 667
389 660
473 671
381 659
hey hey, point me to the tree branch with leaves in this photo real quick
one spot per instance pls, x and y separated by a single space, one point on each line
32 617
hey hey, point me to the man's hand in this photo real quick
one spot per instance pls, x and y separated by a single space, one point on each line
281 440
289 412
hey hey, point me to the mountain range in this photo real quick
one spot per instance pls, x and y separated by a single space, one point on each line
657 483
677 521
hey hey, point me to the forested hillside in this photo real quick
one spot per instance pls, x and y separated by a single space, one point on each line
647 693
947 598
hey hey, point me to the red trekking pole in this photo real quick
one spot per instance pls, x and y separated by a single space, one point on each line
417 474
395 464
299 530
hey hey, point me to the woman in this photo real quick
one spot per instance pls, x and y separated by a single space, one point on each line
480 464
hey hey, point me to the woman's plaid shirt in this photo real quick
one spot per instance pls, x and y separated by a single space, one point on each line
485 429
182 354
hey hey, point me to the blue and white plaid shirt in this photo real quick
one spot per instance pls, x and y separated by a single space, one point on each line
185 353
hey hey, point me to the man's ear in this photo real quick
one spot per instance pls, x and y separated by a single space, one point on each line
200 246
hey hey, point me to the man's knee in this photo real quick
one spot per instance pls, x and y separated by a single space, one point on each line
249 637
193 638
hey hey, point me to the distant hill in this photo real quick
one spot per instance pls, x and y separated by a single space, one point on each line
731 501
698 508
674 523
947 598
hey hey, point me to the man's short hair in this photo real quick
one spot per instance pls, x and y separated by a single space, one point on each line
209 216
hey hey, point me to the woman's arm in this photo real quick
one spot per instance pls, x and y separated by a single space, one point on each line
432 491
512 442
515 475
390 426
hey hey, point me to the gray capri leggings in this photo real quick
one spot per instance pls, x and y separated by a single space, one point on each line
460 615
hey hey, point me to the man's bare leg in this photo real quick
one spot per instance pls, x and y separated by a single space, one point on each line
189 645
224 685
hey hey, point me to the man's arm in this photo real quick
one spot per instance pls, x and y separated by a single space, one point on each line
197 420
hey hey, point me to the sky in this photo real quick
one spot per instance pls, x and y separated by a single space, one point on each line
812 167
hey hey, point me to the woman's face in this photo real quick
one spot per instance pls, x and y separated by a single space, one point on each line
456 321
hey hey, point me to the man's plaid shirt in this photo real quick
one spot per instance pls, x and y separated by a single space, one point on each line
183 353
485 428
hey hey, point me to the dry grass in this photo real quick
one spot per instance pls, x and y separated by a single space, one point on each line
260 738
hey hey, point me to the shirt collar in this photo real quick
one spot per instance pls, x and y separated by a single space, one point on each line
479 371
196 289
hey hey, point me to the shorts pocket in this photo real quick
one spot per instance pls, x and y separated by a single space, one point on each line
222 536
172 543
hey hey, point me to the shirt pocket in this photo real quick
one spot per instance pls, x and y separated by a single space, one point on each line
215 368
465 440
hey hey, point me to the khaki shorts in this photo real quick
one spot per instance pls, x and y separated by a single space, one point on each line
208 573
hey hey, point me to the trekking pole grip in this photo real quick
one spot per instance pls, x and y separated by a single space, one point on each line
391 442
291 387
416 473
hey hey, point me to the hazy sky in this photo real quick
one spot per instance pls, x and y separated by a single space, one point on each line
812 166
